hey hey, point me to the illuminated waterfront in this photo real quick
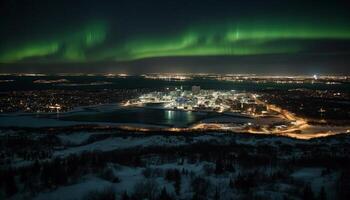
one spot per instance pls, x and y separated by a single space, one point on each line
184 102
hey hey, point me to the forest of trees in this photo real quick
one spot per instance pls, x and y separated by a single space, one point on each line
46 174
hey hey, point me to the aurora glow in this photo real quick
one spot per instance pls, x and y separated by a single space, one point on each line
72 45
245 40
131 33
231 40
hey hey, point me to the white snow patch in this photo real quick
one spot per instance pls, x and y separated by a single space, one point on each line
111 144
76 191
74 138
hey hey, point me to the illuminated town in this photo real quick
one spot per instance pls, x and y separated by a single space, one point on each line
269 111
256 116
203 100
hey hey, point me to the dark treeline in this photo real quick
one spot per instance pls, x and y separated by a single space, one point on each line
52 173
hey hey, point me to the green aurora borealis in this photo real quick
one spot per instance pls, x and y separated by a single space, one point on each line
69 46
243 39
118 37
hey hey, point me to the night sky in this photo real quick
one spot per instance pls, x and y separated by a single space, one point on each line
278 37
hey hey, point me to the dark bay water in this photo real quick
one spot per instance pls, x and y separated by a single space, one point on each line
175 118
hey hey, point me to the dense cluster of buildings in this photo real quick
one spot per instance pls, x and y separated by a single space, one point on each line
205 100
45 101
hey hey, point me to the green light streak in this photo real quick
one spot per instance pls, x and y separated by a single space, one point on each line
285 32
232 39
69 46
244 38
30 51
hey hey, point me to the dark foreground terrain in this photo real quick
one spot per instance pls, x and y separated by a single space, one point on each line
110 164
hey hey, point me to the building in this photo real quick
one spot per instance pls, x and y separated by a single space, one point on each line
196 89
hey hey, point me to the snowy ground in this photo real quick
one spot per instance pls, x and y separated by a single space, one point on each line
130 142
75 191
163 152
130 176
314 177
